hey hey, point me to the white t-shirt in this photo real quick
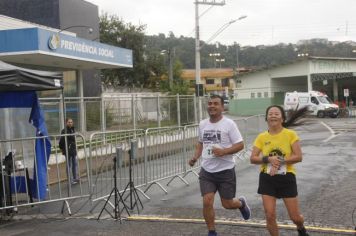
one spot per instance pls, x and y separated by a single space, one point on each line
223 134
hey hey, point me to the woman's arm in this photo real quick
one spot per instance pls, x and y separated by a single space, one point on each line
255 156
296 155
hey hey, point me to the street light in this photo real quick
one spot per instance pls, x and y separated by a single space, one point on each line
220 60
303 54
170 65
54 40
90 29
198 84
53 43
214 55
223 27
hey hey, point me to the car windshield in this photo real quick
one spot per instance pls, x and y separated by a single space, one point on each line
325 100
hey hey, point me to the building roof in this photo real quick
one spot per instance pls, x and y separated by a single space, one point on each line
296 61
211 72
22 42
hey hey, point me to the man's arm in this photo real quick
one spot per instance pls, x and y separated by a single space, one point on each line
236 147
197 153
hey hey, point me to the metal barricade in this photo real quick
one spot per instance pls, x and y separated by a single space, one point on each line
191 137
102 152
27 178
249 127
164 155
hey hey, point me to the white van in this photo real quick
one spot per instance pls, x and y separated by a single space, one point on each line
318 103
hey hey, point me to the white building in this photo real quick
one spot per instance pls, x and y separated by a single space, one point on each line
261 88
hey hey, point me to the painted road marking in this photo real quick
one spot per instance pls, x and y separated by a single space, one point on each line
237 222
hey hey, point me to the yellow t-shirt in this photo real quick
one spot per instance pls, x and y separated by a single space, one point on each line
279 144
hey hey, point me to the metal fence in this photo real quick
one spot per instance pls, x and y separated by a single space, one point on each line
115 112
23 168
161 156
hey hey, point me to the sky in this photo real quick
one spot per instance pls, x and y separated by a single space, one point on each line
268 22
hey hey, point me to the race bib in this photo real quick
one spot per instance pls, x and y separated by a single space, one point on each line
282 170
208 151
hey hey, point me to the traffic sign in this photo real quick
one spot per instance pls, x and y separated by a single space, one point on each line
346 92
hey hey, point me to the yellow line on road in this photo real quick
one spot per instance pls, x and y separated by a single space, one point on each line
237 222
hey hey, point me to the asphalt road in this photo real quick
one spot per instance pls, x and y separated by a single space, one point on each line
326 185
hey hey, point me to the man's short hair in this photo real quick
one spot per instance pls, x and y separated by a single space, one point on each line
218 96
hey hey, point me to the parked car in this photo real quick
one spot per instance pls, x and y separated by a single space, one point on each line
226 104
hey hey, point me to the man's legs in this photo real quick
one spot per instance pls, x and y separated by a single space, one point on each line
231 203
74 167
208 210
269 204
68 168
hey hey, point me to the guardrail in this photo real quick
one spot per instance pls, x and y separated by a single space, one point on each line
33 174
162 154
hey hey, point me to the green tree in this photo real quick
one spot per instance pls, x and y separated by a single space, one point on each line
116 32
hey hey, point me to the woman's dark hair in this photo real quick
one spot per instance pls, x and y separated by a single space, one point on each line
292 116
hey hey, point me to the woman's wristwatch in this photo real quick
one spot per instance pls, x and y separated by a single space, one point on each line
265 159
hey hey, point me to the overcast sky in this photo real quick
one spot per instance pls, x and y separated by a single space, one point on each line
268 21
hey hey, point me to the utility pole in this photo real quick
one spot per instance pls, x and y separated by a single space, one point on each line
198 85
237 56
170 68
170 54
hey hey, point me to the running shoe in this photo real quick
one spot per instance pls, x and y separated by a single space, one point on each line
245 209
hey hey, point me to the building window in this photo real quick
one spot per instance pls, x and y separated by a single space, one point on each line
225 82
259 94
252 95
192 83
265 94
210 81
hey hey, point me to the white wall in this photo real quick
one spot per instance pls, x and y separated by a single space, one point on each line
279 79
258 82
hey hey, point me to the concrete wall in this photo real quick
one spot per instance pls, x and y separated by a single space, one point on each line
256 106
79 12
44 12
248 107
255 83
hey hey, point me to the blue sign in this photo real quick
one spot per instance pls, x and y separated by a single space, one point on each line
58 44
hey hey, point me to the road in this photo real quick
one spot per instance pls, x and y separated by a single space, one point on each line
326 186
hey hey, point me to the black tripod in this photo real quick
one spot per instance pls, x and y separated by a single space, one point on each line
130 185
117 195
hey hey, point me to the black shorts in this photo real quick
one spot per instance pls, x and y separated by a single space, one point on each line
279 186
223 181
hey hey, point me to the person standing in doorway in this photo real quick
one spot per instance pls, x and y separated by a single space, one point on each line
277 150
67 144
219 139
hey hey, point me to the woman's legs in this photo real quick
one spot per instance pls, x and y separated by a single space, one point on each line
269 204
292 206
